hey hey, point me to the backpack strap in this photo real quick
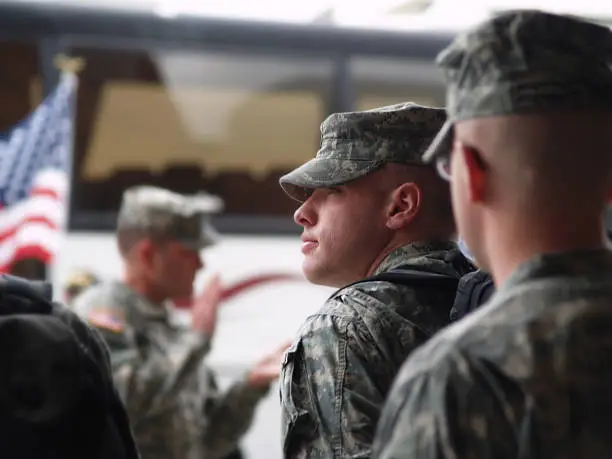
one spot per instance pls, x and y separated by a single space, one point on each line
473 291
410 276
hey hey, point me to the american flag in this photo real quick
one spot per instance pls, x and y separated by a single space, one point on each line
35 160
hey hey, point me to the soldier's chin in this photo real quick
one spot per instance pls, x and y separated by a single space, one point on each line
183 303
314 272
310 271
183 296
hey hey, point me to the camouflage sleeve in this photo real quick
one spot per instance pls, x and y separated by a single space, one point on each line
455 409
148 378
228 417
332 389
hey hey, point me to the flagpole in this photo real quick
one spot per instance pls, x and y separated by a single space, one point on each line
68 66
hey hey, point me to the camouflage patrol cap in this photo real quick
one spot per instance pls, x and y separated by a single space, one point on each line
163 213
354 144
79 280
524 62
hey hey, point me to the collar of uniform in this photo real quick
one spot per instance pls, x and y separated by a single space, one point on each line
562 264
408 254
145 307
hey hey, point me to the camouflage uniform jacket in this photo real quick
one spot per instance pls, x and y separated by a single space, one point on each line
159 372
338 371
529 375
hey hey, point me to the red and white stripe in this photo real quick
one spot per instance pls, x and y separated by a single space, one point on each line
34 227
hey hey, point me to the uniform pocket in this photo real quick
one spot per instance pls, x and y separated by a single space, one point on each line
296 423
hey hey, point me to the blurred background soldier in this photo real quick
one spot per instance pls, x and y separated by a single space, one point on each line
78 281
159 371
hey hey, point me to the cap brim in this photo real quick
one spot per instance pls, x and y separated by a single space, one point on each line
324 173
442 143
209 237
206 203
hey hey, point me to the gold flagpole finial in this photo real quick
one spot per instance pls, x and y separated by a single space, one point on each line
69 64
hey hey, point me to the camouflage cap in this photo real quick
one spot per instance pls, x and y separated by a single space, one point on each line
163 213
79 281
354 144
81 278
524 62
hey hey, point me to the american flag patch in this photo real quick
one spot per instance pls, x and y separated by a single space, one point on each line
107 319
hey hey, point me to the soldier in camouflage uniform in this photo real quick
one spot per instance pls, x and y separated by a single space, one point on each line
158 367
369 205
77 282
528 149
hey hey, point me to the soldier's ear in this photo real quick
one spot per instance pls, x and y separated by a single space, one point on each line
145 252
475 171
404 205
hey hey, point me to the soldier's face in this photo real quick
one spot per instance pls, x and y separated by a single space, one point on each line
344 232
175 268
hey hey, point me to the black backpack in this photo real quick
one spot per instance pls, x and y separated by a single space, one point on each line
470 291
57 400
473 291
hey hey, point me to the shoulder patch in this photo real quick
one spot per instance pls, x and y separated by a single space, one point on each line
106 318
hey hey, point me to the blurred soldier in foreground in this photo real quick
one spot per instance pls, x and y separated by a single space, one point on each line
159 369
57 398
528 150
369 206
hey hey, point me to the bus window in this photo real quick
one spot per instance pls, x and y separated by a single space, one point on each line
380 82
20 82
227 123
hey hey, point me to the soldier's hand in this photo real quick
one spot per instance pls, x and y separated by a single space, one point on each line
267 370
205 307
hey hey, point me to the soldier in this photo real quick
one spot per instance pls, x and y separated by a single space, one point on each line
158 367
78 281
529 148
369 205
57 397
